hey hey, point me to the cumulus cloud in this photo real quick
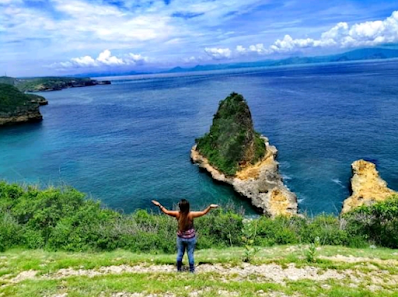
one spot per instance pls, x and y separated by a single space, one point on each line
256 48
345 36
218 53
341 36
105 58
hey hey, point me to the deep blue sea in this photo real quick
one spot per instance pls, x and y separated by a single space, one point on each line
129 142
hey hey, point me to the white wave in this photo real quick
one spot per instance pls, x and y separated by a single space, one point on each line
286 177
338 182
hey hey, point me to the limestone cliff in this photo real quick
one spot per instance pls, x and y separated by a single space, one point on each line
367 186
232 152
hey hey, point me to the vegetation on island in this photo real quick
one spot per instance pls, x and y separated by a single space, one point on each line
232 140
12 100
38 84
63 219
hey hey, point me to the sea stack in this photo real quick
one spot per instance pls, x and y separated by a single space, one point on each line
16 107
367 186
234 153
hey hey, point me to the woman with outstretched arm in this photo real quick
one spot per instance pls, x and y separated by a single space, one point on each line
186 237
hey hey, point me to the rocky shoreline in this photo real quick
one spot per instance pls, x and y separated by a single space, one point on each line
21 116
261 182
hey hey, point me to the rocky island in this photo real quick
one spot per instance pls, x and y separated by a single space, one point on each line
367 186
17 107
234 153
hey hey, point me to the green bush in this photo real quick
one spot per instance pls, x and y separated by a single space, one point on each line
10 231
63 219
275 231
377 223
326 228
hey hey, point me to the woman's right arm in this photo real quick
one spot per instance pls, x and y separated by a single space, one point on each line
197 214
164 210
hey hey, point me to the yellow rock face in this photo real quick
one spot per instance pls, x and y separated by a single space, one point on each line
280 204
367 186
261 183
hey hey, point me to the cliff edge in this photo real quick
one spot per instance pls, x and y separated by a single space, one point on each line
367 186
234 153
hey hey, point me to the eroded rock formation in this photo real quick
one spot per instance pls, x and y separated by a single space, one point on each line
232 152
367 186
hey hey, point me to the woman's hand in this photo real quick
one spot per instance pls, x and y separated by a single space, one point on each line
213 205
155 202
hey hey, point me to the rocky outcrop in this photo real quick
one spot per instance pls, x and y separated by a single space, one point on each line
367 186
21 116
260 182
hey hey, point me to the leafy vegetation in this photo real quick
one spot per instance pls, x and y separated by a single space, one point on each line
232 140
12 99
378 223
63 219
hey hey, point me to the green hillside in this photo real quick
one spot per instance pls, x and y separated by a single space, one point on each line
8 80
39 84
11 99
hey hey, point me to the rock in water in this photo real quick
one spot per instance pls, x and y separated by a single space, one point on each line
367 186
233 152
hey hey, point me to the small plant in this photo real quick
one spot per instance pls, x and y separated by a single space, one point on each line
249 232
310 253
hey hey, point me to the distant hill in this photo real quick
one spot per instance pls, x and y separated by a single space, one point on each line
40 84
354 55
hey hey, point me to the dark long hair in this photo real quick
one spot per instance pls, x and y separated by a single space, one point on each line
183 221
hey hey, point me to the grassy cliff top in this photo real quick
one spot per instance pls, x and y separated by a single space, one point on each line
232 140
276 271
11 98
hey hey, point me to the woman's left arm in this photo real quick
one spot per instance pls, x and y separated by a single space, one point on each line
198 214
171 213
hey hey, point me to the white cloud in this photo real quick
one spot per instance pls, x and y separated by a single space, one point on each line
218 53
344 36
258 49
104 59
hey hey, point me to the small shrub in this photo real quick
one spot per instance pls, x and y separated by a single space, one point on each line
310 253
249 232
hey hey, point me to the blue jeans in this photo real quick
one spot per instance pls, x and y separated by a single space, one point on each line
188 244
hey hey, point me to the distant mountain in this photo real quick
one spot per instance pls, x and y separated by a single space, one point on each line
354 55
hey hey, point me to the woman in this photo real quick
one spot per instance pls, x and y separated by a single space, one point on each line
186 238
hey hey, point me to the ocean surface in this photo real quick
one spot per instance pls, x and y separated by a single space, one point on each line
129 142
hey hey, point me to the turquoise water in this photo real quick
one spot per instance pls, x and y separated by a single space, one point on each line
129 142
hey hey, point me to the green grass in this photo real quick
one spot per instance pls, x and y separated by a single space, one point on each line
47 263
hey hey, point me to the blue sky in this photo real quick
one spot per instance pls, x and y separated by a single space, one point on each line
60 37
